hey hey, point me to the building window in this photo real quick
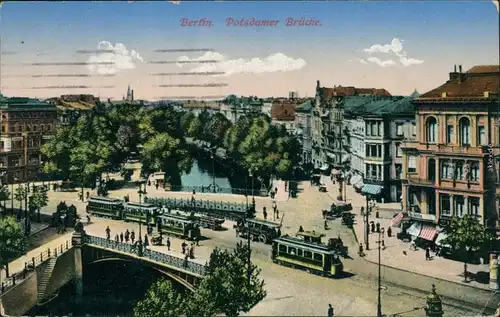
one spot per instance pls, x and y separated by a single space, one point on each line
464 131
399 129
450 134
475 172
474 206
412 164
49 127
446 169
431 130
3 128
42 127
459 171
399 152
459 206
399 170
445 204
481 132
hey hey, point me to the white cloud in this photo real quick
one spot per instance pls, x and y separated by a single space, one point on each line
394 49
119 57
497 4
273 63
380 62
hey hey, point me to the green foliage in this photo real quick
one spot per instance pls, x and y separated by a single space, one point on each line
163 152
4 193
20 194
38 199
225 288
467 234
161 300
12 240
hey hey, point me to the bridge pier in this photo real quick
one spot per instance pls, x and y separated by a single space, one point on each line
77 241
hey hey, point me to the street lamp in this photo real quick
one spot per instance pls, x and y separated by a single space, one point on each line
250 173
140 182
26 213
379 300
212 156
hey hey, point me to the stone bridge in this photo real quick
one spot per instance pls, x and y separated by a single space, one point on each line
45 274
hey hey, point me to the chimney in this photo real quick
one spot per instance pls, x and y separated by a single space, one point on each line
132 95
460 69
455 69
317 84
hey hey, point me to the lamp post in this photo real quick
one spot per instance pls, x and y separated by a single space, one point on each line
379 300
367 223
140 192
213 170
26 212
250 173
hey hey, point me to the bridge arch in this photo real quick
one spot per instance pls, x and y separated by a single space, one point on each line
176 278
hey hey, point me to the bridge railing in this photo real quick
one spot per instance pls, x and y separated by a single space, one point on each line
133 249
34 262
219 190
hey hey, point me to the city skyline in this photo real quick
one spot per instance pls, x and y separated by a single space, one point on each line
397 46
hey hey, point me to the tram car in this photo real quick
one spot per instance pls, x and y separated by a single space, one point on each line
145 213
316 258
105 207
179 225
260 230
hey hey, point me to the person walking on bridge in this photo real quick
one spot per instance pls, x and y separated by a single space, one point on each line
330 310
108 233
127 236
183 246
121 237
132 236
168 243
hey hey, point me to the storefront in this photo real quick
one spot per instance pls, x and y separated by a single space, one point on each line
423 226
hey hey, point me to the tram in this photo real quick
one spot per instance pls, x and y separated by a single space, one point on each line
179 225
307 254
105 207
145 213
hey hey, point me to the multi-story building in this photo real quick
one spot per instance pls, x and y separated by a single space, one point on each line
283 113
303 125
450 170
26 125
375 128
329 133
234 107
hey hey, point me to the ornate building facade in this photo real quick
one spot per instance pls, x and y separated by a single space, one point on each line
451 169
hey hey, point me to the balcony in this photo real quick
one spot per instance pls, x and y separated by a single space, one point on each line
449 149
415 179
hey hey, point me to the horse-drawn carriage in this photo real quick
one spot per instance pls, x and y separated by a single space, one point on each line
157 239
338 245
336 210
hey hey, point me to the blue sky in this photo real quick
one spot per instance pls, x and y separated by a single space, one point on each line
439 33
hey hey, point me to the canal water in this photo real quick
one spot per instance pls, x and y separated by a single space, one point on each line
109 289
202 172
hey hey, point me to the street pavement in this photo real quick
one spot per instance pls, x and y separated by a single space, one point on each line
306 211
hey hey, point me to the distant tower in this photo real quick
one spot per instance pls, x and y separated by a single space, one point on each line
129 94
132 95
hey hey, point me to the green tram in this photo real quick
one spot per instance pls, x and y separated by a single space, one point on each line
105 207
317 258
179 225
145 213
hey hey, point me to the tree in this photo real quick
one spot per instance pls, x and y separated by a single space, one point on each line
4 196
231 285
20 195
12 241
161 300
467 236
38 200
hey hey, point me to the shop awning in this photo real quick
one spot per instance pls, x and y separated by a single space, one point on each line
356 178
415 229
428 232
324 167
397 220
335 172
440 238
370 189
359 184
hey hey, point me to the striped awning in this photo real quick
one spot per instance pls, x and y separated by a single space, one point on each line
370 189
428 232
397 220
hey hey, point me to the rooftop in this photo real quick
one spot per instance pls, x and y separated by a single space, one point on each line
477 83
22 103
283 111
305 107
328 93
74 102
380 106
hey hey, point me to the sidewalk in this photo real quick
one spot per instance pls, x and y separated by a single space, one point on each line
281 194
413 261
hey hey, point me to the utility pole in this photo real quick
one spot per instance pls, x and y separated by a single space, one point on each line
213 171
379 300
367 225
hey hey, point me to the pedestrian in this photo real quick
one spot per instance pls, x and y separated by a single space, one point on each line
191 252
197 241
301 229
146 242
121 237
330 310
264 212
127 236
117 238
279 232
360 249
168 243
186 257
286 185
183 246
149 183
326 225
389 232
427 254
277 214
276 190
108 233
157 185
132 236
